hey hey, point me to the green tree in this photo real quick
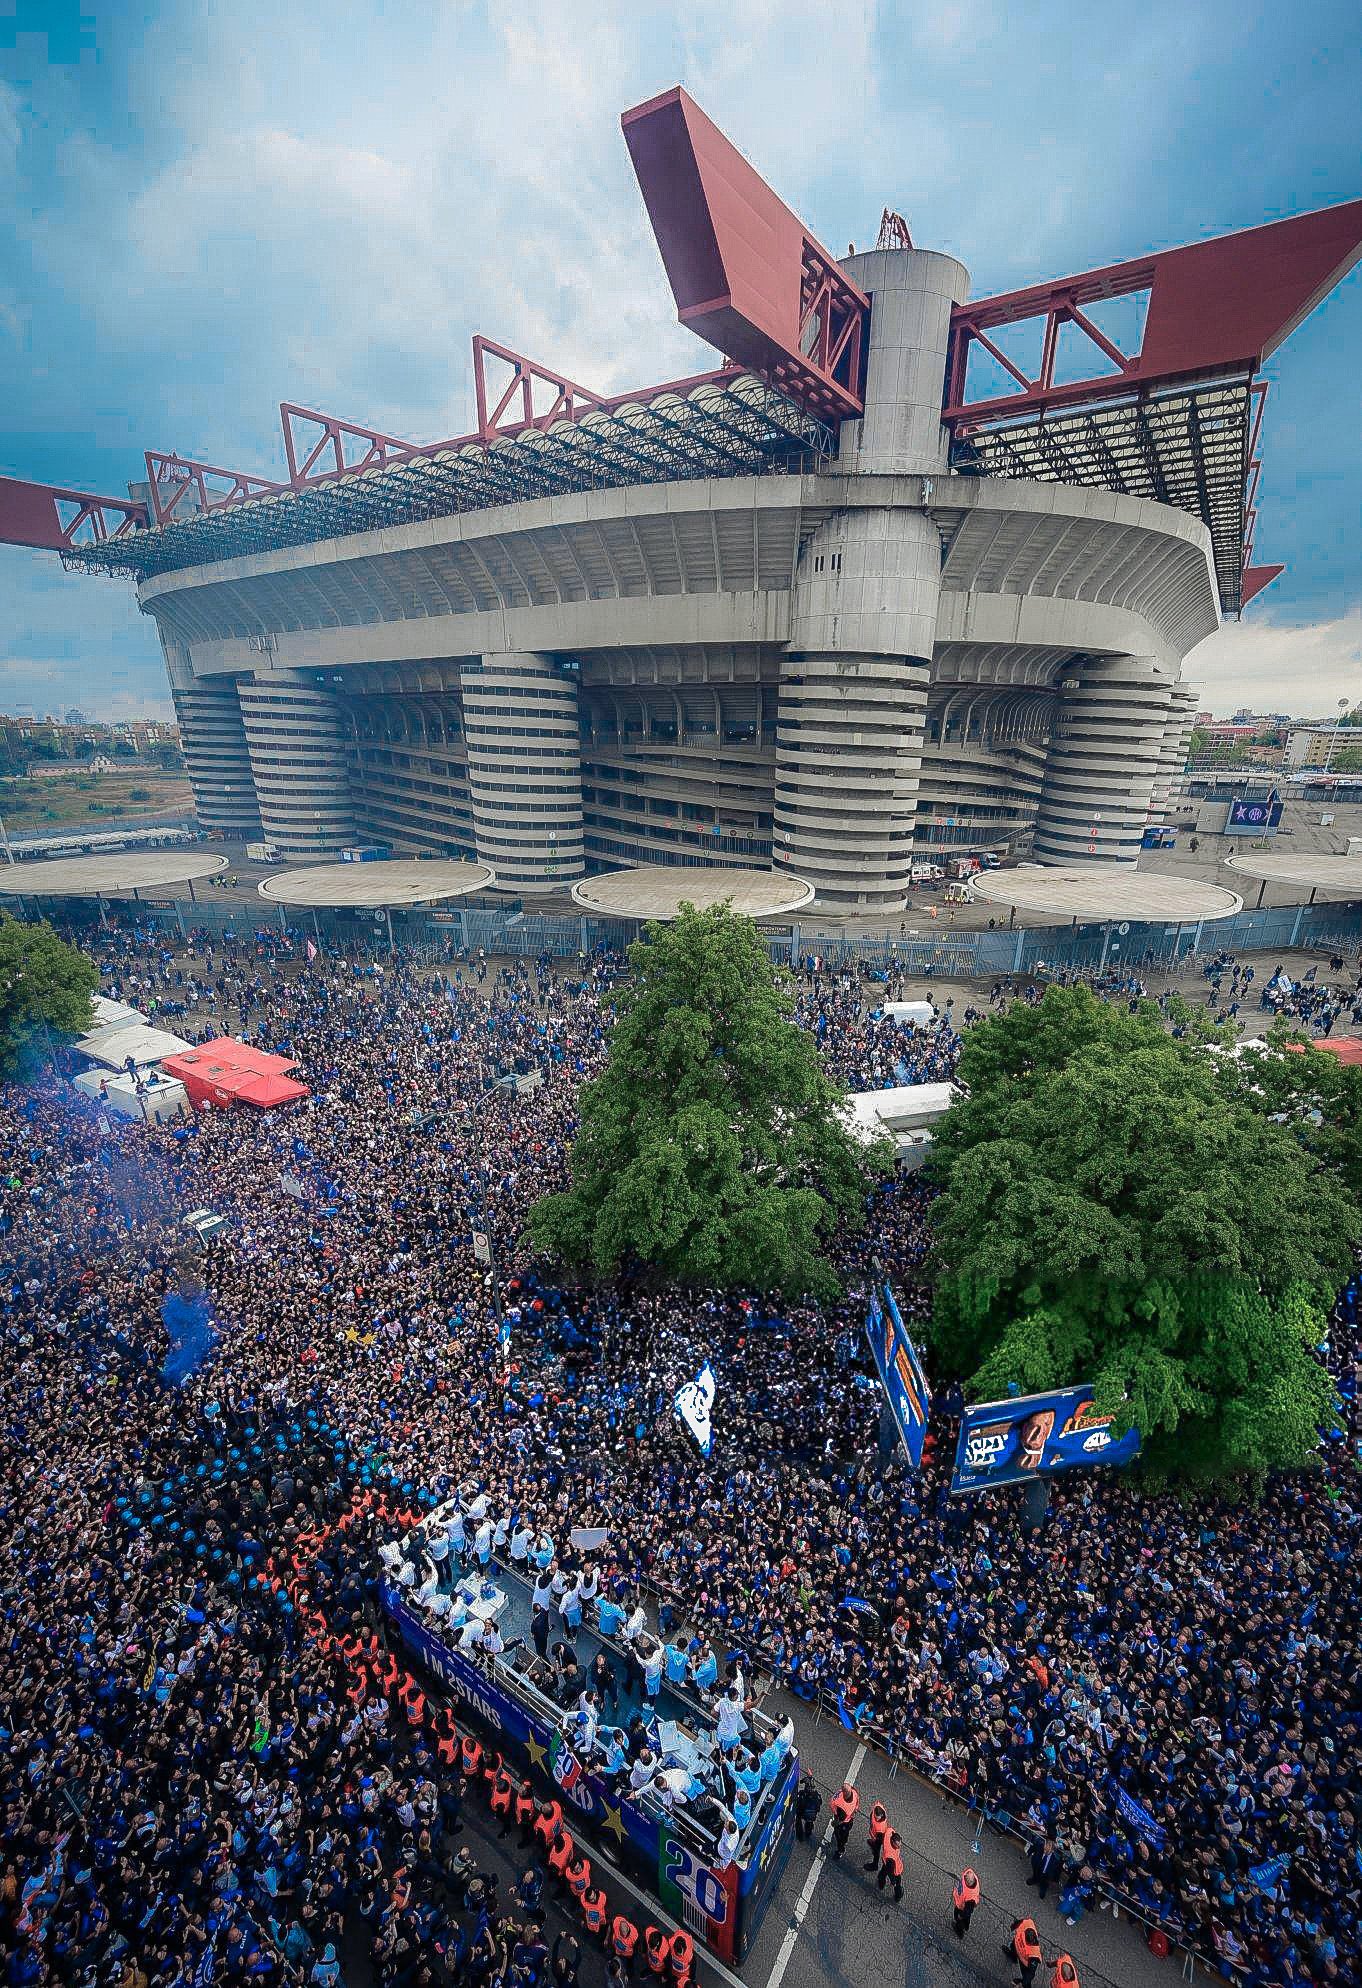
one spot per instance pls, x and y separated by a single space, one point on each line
711 1148
1118 1207
45 986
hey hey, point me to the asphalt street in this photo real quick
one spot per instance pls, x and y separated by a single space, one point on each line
828 1926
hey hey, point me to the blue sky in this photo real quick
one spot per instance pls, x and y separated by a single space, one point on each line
206 209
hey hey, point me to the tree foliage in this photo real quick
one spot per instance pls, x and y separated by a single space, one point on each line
1117 1207
712 1147
45 986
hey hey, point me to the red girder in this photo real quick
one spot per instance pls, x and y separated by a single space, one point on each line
745 272
570 401
174 479
1215 308
56 520
379 449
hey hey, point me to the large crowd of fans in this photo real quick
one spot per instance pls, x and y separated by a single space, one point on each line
1163 1698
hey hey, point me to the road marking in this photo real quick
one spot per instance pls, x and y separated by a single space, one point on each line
791 1940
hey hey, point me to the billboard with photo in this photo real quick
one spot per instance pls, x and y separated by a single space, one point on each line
900 1371
1035 1435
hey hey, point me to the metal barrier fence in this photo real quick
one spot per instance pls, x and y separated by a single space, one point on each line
432 936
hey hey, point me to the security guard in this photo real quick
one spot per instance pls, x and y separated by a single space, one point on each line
560 1855
1064 1973
523 1809
891 1864
595 1911
1023 1950
579 1876
681 1959
964 1898
845 1805
503 1795
546 1824
879 1829
656 1949
471 1750
623 1940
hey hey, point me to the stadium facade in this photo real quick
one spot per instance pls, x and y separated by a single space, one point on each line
905 577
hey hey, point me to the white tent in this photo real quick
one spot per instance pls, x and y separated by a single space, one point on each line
153 1097
905 1113
108 1012
146 1045
920 1013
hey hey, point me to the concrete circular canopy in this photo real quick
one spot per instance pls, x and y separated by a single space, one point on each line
1100 892
1340 876
659 890
117 874
376 886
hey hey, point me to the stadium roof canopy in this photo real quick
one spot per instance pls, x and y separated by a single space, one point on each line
722 424
1091 893
116 875
659 890
1143 378
377 886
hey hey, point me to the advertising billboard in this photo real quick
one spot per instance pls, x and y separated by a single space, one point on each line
1253 815
900 1371
1035 1435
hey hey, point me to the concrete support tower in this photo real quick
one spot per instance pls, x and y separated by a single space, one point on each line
213 741
524 768
1103 759
853 692
299 763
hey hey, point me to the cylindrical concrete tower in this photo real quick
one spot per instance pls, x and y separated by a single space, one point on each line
1177 737
1103 758
213 741
853 693
524 768
299 764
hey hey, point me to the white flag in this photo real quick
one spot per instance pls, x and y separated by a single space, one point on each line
695 1404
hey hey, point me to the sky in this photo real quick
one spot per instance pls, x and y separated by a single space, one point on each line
207 208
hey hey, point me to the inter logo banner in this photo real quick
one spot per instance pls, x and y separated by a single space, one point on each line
1033 1435
694 1405
900 1371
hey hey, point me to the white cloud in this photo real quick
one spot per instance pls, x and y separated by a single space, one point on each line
1270 666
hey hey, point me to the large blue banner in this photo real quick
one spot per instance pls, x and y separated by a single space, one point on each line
1034 1435
1250 816
900 1371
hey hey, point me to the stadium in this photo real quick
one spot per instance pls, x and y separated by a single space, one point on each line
905 575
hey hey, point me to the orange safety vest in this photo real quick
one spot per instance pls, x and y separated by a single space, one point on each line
966 1891
416 1709
624 1936
472 1755
682 1957
502 1791
547 1822
1026 1941
524 1805
579 1878
447 1746
594 1911
1065 1974
892 1854
879 1824
845 1804
560 1854
656 1946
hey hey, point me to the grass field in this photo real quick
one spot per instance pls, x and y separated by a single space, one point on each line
124 794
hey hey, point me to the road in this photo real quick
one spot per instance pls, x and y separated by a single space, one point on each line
829 1927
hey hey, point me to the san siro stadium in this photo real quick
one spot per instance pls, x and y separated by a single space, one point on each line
902 576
